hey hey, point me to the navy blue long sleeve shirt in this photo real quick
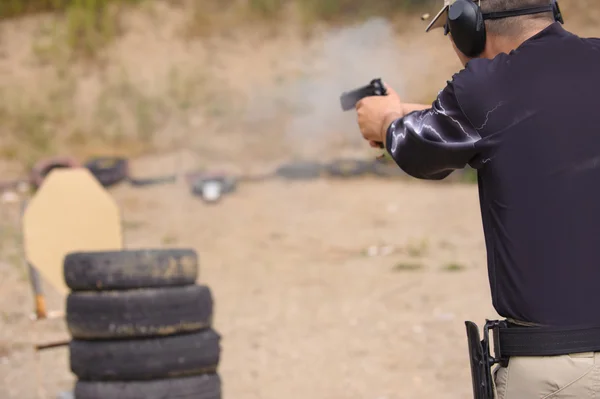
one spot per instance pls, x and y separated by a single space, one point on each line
529 123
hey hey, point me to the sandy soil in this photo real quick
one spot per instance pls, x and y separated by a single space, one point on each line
304 306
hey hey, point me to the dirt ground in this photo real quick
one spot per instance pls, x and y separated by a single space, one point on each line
324 289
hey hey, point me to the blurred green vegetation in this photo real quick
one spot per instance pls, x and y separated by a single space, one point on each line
330 10
322 9
88 24
16 8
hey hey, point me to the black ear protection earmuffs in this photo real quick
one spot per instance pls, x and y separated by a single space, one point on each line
466 22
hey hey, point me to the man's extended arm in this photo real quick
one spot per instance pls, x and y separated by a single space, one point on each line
432 142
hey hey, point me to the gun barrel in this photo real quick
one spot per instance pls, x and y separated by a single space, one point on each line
349 99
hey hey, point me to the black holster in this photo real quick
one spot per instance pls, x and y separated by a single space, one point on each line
481 358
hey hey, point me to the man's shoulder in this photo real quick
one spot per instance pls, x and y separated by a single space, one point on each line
592 41
481 71
480 90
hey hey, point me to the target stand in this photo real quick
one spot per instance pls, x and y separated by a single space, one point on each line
70 212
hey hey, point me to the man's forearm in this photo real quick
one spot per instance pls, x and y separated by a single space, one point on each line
391 117
406 109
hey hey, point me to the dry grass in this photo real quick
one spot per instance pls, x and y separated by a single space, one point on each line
123 116
47 123
92 24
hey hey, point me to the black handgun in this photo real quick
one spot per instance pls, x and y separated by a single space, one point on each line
349 99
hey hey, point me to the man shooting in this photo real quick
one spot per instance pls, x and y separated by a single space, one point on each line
525 113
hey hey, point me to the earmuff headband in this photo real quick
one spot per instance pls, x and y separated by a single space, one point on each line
517 12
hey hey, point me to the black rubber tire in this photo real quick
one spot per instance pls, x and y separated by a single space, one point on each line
42 168
146 359
348 168
146 312
127 269
300 170
108 170
206 386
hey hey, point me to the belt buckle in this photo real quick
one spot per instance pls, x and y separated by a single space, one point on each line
497 357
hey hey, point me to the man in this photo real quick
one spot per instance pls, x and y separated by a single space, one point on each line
525 113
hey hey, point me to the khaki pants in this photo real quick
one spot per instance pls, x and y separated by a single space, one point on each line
574 376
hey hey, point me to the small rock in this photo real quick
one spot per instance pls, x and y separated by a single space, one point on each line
10 197
446 316
387 250
23 187
373 251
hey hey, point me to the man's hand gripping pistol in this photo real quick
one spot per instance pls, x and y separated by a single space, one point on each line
349 99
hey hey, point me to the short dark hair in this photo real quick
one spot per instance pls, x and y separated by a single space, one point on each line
515 25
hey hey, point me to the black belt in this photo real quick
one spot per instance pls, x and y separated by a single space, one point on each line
544 341
510 340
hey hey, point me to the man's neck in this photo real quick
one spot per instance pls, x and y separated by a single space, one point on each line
505 44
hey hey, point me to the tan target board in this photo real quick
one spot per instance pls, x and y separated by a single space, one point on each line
70 212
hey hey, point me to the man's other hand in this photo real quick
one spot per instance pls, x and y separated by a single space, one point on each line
376 113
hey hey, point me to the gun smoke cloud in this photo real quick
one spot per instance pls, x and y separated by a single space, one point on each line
341 59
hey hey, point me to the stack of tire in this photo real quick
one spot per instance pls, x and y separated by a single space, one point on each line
141 327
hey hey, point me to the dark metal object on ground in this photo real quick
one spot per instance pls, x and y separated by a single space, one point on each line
150 181
387 169
348 168
212 186
108 170
260 177
300 170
